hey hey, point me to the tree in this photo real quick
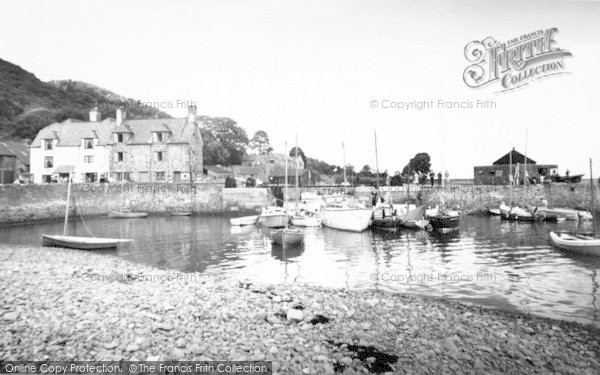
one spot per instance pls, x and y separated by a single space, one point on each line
300 153
420 163
397 179
366 171
260 143
224 141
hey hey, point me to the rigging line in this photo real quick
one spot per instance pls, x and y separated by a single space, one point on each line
78 210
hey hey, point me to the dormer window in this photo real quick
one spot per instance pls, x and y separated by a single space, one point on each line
88 143
120 137
48 144
158 136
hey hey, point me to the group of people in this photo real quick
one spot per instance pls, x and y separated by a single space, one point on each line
424 178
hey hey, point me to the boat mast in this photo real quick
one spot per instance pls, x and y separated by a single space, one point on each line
376 163
285 195
67 208
592 194
525 174
344 166
296 155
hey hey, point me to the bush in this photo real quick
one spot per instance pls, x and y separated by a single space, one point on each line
251 182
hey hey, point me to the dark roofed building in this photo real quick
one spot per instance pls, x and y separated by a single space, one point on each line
516 163
513 157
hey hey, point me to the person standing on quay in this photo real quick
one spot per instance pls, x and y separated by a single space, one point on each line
432 177
446 178
440 178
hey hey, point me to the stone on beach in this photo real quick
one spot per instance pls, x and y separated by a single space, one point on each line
49 316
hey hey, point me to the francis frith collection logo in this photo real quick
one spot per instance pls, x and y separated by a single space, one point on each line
514 63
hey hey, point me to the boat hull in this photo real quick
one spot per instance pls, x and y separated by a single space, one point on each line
181 213
83 243
416 224
306 221
350 219
273 221
576 245
245 220
445 223
127 215
287 237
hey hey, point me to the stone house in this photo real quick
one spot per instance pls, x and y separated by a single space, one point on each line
146 150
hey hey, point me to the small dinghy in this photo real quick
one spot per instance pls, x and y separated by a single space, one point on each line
181 213
126 215
287 237
245 220
576 243
84 243
78 242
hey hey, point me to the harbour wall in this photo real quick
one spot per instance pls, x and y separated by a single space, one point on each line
25 203
472 197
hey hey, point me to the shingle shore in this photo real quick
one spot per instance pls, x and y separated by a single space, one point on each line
59 304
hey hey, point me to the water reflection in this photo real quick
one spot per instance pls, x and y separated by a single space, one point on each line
489 261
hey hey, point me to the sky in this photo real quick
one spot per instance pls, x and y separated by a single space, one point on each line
316 68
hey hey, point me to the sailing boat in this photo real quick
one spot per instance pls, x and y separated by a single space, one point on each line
75 242
287 236
579 243
303 218
125 214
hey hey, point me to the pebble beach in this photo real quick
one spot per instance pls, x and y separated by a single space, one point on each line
59 304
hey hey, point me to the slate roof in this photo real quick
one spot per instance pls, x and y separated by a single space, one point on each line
517 157
70 132
269 156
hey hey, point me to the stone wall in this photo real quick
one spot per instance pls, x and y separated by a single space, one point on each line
245 199
476 196
23 203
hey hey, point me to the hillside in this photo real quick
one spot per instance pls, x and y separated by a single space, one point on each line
27 104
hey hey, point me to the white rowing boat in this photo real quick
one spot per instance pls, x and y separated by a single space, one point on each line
244 220
580 244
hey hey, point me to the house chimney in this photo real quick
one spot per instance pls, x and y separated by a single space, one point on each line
120 115
95 115
192 112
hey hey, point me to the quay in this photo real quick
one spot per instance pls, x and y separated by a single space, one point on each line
30 203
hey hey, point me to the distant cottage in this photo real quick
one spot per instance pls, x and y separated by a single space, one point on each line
147 150
498 173
14 161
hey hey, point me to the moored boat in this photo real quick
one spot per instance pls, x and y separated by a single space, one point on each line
244 220
303 219
384 218
126 214
83 243
273 217
287 237
445 222
181 213
341 217
78 242
415 218
576 243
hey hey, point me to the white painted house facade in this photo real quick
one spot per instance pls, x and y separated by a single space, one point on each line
96 151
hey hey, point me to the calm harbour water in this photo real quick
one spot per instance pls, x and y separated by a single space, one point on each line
488 262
